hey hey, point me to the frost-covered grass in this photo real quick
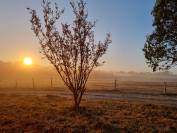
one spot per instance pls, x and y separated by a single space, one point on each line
49 114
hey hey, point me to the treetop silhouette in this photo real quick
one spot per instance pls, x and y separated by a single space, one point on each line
161 46
72 49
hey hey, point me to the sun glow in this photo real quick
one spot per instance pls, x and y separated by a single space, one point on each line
28 61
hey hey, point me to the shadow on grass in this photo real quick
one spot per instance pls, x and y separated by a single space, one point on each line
88 119
170 94
19 114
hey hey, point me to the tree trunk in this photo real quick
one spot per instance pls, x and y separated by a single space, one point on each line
76 106
77 100
76 103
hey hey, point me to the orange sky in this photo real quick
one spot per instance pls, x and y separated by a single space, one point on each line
128 28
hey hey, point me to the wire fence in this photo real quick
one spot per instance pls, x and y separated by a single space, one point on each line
31 83
108 84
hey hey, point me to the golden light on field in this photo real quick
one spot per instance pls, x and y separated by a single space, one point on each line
28 61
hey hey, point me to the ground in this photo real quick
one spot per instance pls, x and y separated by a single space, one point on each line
53 114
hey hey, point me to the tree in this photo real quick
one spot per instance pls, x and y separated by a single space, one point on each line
161 46
72 50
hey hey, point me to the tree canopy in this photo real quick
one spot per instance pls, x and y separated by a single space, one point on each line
161 46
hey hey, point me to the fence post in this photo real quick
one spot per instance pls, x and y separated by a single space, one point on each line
51 82
115 84
33 83
165 87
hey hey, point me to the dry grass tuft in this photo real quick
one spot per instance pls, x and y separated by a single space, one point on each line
32 114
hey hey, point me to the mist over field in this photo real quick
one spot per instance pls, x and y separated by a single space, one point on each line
17 71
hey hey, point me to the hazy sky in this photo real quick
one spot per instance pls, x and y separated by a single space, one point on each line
128 21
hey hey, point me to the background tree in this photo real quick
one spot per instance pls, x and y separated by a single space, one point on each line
161 46
72 50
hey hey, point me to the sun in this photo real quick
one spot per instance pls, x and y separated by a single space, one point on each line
28 61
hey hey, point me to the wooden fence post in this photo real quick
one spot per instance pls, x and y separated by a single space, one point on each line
33 83
51 82
115 84
165 87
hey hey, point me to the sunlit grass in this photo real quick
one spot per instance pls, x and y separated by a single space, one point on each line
54 114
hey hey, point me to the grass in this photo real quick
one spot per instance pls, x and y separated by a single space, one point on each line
49 114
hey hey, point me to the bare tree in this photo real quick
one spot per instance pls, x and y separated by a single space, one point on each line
72 50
